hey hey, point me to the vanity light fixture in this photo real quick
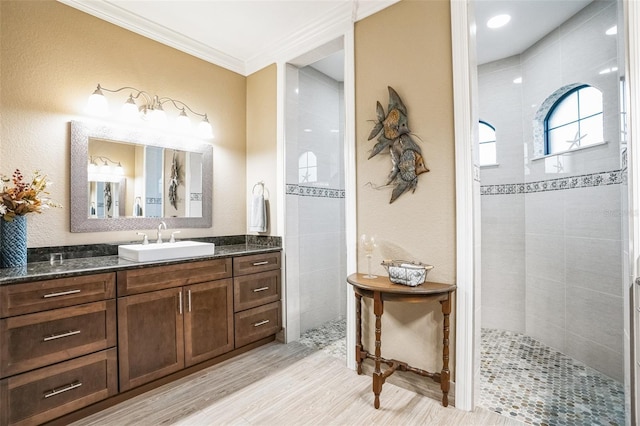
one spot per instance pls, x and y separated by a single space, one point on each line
151 110
104 172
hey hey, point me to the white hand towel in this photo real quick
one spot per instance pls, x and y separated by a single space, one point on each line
258 219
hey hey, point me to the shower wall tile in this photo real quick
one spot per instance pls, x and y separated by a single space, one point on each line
597 356
541 76
545 212
507 213
595 316
503 300
545 311
545 256
593 212
594 264
501 109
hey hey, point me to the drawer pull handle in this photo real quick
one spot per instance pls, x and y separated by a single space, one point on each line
62 293
61 335
265 262
258 324
256 290
67 388
189 299
180 302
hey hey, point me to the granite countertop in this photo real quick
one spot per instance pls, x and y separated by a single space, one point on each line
36 271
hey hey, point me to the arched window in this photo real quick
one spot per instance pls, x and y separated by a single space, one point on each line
307 167
487 144
574 120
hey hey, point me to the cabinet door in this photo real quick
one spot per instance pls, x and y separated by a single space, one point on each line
243 265
208 320
41 395
150 336
36 340
256 289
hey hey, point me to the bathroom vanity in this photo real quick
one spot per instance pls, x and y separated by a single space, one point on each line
79 336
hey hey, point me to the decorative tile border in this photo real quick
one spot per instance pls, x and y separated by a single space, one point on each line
614 177
195 196
314 191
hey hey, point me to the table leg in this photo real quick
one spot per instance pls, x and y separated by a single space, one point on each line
377 374
360 354
445 374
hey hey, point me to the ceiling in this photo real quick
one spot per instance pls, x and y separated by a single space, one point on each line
246 35
530 21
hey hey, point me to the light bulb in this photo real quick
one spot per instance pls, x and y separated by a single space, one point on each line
204 129
158 116
182 122
105 169
92 168
97 103
130 109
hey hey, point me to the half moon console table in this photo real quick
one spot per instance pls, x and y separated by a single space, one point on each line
380 289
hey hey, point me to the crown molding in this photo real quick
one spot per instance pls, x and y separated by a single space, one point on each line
366 8
139 25
324 29
327 27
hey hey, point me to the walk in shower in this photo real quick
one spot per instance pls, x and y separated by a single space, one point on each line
552 189
315 210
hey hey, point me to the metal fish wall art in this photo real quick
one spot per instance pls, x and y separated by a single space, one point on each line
392 129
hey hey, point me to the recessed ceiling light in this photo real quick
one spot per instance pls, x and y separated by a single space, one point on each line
612 31
517 80
498 21
608 70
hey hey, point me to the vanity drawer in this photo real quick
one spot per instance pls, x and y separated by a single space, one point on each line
254 290
257 323
42 395
36 340
142 280
25 298
244 265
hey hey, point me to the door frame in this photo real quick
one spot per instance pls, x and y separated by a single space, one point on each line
631 22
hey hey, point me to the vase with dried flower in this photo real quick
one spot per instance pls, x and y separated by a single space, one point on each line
17 198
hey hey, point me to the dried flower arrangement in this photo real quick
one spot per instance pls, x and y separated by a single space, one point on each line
24 197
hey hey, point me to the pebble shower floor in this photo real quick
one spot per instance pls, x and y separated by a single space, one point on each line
523 379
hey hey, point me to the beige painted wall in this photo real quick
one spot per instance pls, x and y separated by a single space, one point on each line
262 140
408 47
51 59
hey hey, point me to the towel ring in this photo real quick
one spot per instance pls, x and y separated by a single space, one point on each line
261 184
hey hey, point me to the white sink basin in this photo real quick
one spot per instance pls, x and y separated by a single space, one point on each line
165 251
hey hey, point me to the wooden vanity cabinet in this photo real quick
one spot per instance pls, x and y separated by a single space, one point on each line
256 297
72 342
57 352
163 331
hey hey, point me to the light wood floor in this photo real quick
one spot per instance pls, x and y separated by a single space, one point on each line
284 385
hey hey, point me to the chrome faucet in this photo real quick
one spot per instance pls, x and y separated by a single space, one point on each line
162 224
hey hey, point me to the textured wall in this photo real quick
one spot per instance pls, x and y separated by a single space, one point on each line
261 139
53 56
408 46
